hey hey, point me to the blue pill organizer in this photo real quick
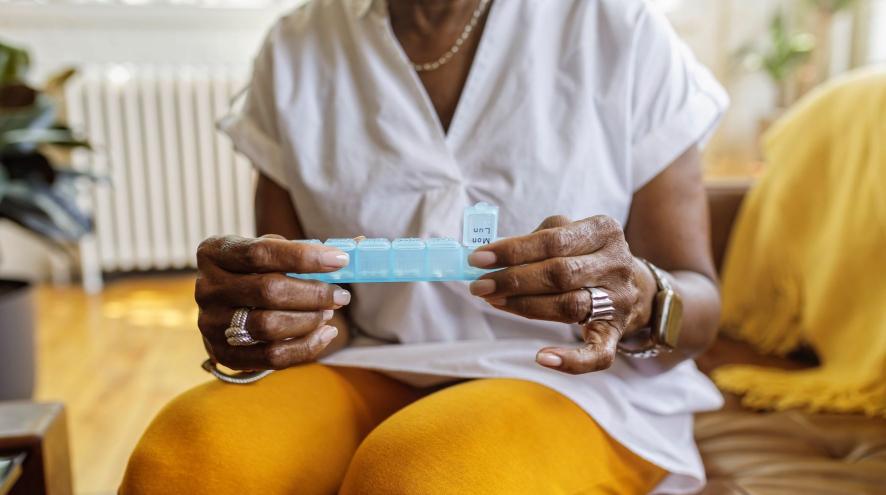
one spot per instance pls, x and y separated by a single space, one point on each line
411 259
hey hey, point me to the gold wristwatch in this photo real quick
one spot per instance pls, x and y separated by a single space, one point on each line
666 320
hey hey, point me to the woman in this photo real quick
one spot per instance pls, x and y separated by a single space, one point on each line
386 119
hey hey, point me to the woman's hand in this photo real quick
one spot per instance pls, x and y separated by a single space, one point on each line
289 316
544 277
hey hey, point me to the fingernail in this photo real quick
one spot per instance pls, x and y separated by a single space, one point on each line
341 297
327 333
481 259
482 287
335 259
327 314
497 301
549 359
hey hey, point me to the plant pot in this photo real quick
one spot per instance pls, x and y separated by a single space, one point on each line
17 363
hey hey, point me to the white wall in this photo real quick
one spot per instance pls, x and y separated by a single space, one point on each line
62 35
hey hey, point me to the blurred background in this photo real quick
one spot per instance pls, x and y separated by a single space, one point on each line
113 172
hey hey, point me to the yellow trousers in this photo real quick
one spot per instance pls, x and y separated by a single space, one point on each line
317 429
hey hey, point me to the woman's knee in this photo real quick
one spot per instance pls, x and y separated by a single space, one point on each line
178 446
486 436
293 432
440 443
391 461
216 437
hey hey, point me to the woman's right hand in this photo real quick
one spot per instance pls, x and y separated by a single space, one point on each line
289 316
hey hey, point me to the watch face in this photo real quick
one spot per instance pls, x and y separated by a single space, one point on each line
670 319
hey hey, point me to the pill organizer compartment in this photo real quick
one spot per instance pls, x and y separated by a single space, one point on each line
348 246
409 258
373 258
444 258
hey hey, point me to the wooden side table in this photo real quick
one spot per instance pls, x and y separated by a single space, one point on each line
40 432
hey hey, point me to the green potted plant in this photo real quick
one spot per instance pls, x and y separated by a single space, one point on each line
779 56
37 194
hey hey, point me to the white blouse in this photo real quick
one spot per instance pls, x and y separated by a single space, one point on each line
569 108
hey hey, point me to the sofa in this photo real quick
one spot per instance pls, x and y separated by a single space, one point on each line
749 452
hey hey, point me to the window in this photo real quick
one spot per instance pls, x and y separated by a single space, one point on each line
876 45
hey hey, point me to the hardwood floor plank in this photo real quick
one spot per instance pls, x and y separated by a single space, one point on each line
115 359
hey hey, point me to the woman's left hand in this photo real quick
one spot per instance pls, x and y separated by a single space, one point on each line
545 275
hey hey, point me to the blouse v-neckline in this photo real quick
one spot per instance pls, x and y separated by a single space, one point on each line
448 138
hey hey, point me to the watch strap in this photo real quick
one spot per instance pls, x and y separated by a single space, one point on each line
654 344
661 280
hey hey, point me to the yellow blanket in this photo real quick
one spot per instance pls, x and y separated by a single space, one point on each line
807 261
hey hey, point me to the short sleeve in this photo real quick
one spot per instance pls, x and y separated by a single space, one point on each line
252 123
675 101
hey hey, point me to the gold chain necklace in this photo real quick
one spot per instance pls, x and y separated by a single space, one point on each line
465 34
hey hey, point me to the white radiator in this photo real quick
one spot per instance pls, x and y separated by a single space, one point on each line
174 179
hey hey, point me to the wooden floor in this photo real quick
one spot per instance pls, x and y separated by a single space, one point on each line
115 359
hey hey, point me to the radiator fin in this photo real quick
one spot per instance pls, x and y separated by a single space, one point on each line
173 179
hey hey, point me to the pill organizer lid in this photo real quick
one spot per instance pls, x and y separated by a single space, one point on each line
480 224
373 244
408 243
344 243
482 207
443 243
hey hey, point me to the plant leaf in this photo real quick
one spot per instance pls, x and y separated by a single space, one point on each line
56 82
17 96
29 167
4 180
14 64
28 139
32 218
40 115
831 6
45 213
63 197
68 174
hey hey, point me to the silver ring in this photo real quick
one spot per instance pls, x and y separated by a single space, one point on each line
602 308
236 333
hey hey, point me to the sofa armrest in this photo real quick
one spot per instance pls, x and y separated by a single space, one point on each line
724 200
